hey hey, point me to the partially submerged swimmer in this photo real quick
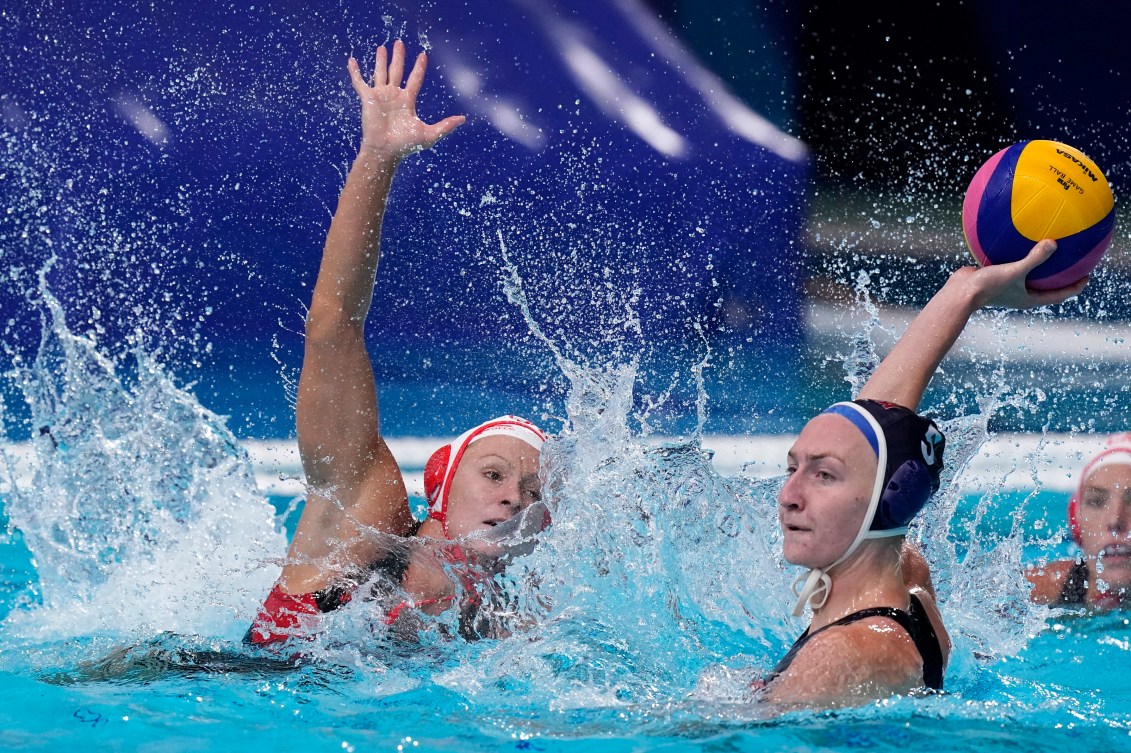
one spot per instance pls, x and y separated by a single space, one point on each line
479 482
1099 519
901 453
357 517
858 474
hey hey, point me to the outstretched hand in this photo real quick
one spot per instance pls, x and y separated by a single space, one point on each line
1003 285
389 125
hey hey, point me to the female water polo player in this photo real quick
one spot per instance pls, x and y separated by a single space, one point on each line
1099 518
356 520
858 474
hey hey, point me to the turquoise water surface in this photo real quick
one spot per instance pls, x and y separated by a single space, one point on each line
588 686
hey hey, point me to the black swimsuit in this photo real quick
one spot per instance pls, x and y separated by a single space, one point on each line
916 623
279 617
1075 589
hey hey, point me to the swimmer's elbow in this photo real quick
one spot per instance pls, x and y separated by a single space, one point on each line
914 568
333 329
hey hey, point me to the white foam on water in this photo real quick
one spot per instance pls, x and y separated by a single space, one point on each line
139 506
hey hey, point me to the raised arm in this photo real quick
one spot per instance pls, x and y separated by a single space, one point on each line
354 483
902 377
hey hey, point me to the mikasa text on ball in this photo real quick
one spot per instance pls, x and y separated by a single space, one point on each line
1035 190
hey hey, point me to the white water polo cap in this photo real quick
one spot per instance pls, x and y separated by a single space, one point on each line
909 460
441 467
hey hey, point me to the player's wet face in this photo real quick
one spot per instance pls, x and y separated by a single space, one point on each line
1104 517
497 478
832 471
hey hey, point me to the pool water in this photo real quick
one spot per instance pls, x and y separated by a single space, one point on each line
148 480
1067 685
144 534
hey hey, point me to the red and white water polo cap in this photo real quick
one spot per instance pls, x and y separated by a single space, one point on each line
441 467
1117 451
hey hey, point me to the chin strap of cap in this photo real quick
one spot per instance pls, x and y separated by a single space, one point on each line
811 588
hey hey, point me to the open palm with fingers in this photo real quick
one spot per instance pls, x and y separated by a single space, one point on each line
389 124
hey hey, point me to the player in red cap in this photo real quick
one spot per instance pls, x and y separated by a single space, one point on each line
357 507
1099 518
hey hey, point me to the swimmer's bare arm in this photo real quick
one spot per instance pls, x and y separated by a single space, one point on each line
904 374
354 481
1048 581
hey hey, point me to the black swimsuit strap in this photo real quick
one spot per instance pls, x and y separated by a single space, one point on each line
393 565
917 624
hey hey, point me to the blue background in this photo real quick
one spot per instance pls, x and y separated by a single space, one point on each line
181 164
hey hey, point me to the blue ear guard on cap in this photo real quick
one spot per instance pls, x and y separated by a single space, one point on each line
914 462
904 496
913 448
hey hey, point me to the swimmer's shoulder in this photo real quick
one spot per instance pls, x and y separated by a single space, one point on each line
850 664
916 571
1048 580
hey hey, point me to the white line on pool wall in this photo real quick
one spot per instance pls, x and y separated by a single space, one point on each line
1004 461
988 335
1011 461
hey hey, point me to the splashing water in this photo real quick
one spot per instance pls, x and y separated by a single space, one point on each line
141 511
659 581
656 571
